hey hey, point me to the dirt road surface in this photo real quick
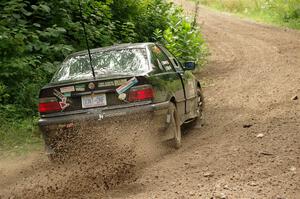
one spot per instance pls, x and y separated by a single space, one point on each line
249 146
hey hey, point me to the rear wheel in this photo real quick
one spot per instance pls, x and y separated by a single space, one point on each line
53 156
174 126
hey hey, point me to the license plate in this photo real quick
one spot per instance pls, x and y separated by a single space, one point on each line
90 101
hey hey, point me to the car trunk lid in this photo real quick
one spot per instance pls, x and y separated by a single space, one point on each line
86 95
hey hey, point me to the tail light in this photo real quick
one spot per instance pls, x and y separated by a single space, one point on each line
141 93
50 104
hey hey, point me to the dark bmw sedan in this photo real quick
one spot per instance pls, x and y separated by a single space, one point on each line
119 81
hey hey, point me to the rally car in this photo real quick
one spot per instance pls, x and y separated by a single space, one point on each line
124 79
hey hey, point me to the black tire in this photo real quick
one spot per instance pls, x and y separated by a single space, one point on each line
174 126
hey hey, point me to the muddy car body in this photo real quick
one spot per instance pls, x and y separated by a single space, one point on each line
129 79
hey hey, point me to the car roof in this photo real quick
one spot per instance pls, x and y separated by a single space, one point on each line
114 47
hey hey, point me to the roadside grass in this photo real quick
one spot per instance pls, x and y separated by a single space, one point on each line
19 137
278 12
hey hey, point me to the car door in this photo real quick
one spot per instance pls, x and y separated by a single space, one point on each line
167 79
188 80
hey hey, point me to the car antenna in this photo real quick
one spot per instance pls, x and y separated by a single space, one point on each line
86 38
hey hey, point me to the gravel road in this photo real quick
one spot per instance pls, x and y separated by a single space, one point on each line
249 146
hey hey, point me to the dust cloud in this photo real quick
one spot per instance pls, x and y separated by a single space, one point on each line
92 157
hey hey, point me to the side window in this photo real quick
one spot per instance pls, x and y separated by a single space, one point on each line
161 59
174 61
155 63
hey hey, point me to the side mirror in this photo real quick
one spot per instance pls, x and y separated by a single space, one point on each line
189 65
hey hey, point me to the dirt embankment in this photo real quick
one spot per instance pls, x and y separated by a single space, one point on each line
248 148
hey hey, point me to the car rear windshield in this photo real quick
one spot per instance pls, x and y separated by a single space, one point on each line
105 63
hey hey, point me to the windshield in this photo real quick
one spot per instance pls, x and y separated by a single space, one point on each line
106 63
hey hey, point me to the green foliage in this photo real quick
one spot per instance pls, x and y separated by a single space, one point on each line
282 12
36 35
182 38
18 137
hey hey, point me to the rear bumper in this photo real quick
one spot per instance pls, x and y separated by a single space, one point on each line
53 128
101 114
